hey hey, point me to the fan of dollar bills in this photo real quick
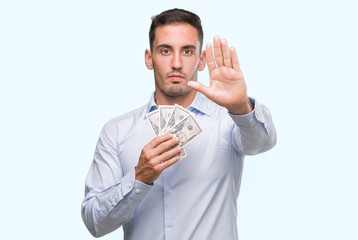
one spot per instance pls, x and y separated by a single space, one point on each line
175 120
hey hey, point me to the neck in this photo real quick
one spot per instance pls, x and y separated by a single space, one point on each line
184 101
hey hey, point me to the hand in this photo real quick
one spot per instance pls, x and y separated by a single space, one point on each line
157 155
227 84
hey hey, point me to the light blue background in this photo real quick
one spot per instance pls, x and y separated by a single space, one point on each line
67 67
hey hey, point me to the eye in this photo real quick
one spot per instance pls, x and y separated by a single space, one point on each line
188 52
165 51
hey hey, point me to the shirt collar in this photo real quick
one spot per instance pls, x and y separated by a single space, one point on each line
151 106
200 104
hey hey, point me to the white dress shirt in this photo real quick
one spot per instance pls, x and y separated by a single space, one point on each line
196 198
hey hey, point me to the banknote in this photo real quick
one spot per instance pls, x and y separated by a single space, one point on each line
164 113
174 120
153 118
178 113
186 130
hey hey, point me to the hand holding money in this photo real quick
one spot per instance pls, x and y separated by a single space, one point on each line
156 156
174 120
174 128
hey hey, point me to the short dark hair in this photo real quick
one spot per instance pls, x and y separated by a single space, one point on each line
175 15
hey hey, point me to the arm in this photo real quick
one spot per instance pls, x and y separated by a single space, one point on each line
111 197
254 131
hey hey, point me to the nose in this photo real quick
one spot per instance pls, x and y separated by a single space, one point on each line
177 61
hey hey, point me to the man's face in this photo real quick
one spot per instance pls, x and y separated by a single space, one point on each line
175 58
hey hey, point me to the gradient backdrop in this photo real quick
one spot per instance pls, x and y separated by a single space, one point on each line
67 67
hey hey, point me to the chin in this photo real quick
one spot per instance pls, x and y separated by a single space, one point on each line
177 91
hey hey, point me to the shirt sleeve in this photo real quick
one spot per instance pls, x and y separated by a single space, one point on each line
254 132
110 196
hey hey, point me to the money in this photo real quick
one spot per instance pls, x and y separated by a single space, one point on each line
178 113
153 118
154 121
186 130
164 113
174 120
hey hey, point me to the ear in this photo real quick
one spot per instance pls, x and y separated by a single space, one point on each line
148 59
202 61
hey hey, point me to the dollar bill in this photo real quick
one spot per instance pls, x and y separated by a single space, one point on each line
153 118
178 113
186 130
164 113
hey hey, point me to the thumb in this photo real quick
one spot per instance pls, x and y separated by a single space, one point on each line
198 87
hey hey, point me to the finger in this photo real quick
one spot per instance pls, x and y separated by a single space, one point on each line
217 51
234 59
175 151
169 162
226 53
199 87
210 58
158 140
165 146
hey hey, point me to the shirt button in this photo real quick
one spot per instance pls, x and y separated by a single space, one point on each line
137 190
169 191
113 204
170 224
129 185
251 120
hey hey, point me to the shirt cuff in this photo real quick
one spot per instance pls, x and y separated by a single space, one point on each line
247 120
250 119
130 188
134 188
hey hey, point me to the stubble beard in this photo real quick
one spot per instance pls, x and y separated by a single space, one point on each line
175 90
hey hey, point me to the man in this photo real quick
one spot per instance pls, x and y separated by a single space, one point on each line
140 182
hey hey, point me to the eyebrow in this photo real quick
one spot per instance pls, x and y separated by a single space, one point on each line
189 46
169 46
164 46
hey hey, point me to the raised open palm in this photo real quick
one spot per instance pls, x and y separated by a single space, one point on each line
227 85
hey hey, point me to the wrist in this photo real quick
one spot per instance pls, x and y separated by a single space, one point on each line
243 108
141 178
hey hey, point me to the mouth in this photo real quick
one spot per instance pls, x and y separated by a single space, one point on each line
176 78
